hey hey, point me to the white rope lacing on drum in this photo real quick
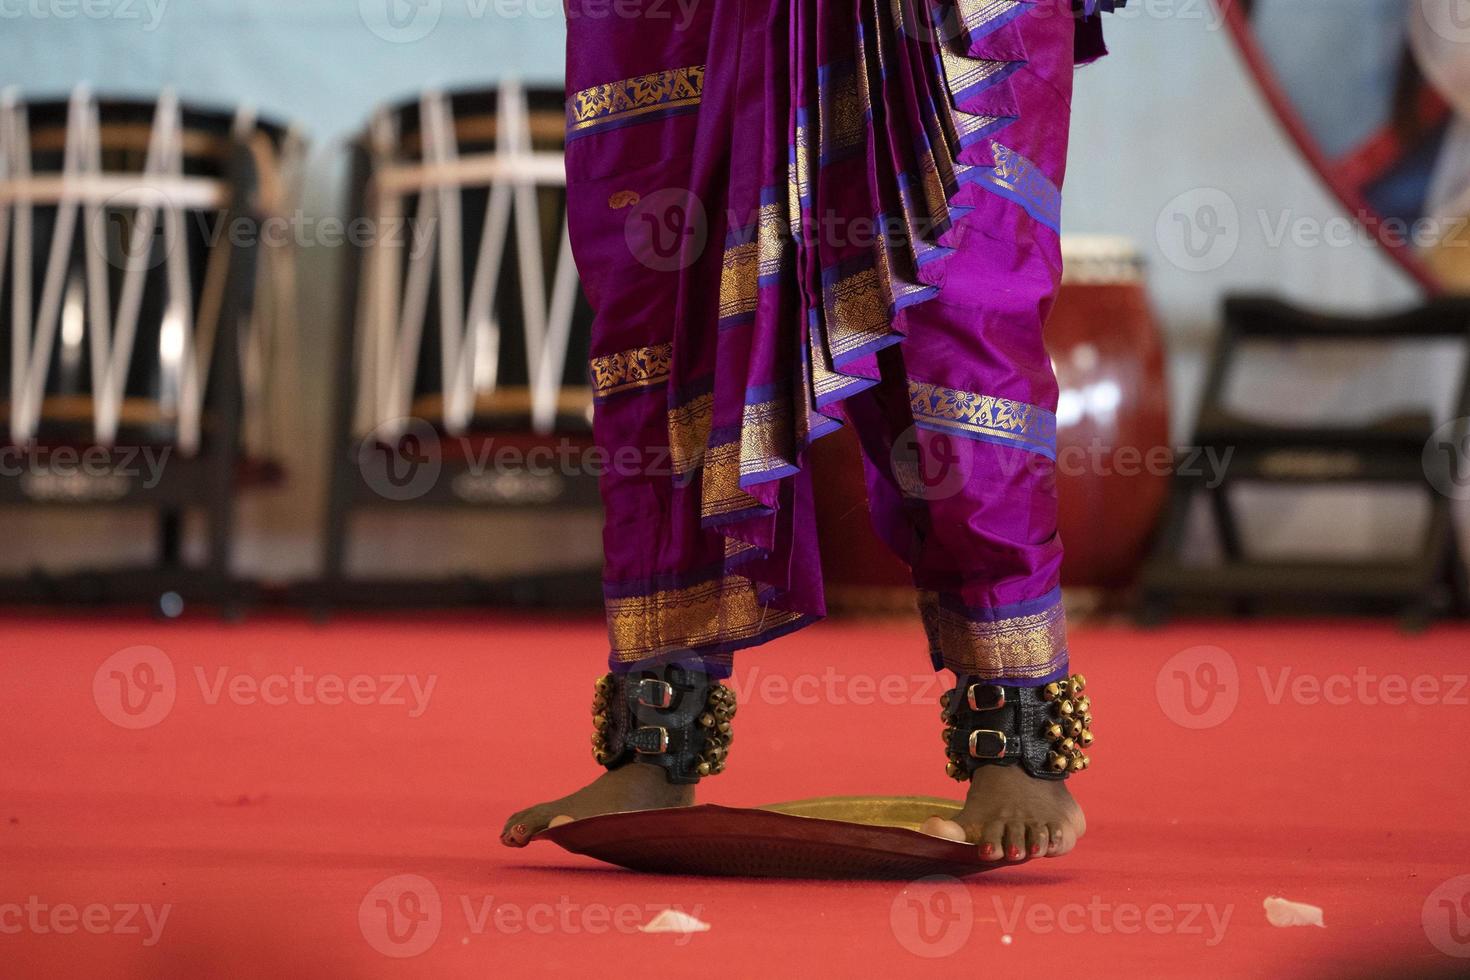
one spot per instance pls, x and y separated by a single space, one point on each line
391 334
11 130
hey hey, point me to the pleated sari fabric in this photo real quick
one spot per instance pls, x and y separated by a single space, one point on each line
796 215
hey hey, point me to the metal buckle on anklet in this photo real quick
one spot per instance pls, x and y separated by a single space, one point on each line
655 741
986 697
654 693
987 743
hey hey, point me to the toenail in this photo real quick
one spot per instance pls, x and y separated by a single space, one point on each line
986 850
1035 849
1013 852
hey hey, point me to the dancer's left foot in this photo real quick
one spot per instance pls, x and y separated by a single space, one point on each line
1012 816
631 787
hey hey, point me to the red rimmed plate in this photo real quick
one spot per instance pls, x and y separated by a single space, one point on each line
827 837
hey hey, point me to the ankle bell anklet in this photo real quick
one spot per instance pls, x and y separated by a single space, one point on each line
673 717
1044 730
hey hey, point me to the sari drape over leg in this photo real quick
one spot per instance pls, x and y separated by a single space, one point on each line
794 215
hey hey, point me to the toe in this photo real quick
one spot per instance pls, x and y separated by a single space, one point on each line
1069 841
948 829
991 840
522 827
1015 841
1053 839
1037 840
515 827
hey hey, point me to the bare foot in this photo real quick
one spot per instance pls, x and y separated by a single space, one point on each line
1013 816
635 786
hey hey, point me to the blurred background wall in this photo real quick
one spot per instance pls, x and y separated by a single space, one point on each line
1169 124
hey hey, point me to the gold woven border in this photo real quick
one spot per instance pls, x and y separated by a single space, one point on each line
843 127
856 311
717 612
961 73
629 98
772 236
739 280
972 414
720 493
976 14
640 367
689 426
1021 647
765 438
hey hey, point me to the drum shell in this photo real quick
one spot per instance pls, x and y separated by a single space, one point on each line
1114 459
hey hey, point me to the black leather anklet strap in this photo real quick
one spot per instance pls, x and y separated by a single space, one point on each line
1044 730
671 716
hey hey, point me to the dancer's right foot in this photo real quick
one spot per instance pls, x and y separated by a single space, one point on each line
635 786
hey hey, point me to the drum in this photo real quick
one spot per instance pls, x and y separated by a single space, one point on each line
114 262
469 312
1113 454
1114 459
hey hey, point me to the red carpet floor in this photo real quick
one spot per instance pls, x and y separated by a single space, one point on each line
241 822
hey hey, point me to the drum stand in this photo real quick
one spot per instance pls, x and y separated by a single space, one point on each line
1409 450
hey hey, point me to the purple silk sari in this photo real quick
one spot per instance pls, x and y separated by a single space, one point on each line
794 215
